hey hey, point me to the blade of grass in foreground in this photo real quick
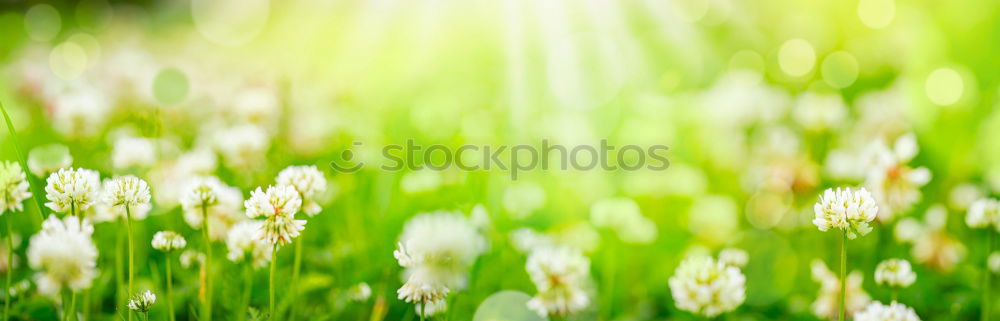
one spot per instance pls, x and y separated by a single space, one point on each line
36 192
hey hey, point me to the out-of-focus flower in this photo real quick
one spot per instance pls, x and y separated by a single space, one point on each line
80 111
931 243
172 177
245 244
734 257
526 240
13 187
420 181
308 181
522 200
895 273
221 202
168 241
47 159
189 258
142 302
65 254
480 217
623 216
984 213
827 303
278 206
846 210
704 286
432 308
994 262
894 184
133 152
818 112
359 292
72 190
19 288
895 311
560 275
963 195
437 250
242 146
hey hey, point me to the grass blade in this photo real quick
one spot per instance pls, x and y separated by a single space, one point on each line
36 191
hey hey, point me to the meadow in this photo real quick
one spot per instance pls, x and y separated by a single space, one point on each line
499 160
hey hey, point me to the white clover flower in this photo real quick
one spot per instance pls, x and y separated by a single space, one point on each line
133 152
983 213
278 206
189 258
45 160
222 203
437 249
624 217
142 302
242 146
895 273
80 112
994 262
432 308
104 211
359 292
895 311
846 210
168 241
734 257
818 112
245 243
308 181
127 191
707 287
65 254
521 200
894 184
13 187
827 303
560 274
526 240
72 190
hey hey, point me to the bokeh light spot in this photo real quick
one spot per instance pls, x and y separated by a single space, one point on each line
840 69
796 57
89 44
170 86
42 22
68 60
876 14
944 86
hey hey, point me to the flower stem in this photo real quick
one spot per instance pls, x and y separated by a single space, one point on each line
247 290
207 306
170 291
843 276
10 266
131 259
987 278
296 266
274 269
72 305
36 190
423 311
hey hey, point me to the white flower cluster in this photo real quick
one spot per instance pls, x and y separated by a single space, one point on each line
895 273
984 213
13 187
560 274
895 311
846 210
894 184
308 181
277 206
73 190
734 257
245 243
133 152
707 287
127 191
65 253
142 302
168 241
828 301
437 250
105 210
221 202
624 217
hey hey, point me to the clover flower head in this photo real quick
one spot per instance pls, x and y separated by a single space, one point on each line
846 209
983 213
437 249
65 253
72 189
707 287
895 273
142 302
244 242
277 206
895 311
308 181
127 191
168 241
201 191
560 274
209 196
13 187
734 257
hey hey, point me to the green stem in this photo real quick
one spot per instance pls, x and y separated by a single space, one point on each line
131 258
72 306
119 279
36 191
423 311
170 291
207 306
10 266
296 266
843 275
987 278
247 289
274 269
